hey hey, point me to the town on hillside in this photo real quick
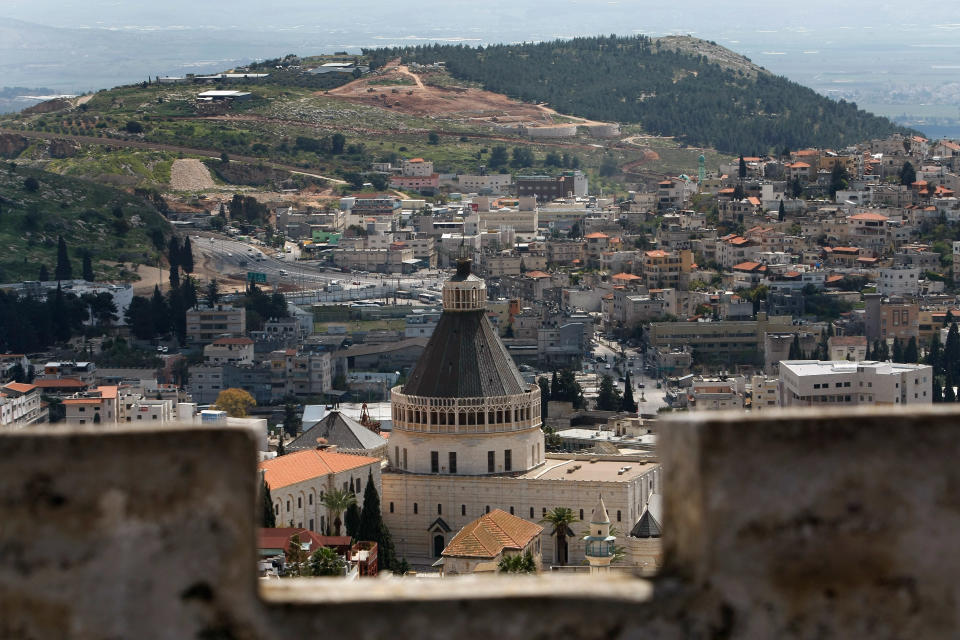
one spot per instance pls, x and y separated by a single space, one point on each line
458 373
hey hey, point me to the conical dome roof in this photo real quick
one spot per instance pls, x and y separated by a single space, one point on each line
600 513
464 357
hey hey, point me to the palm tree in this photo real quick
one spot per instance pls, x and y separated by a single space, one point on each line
560 518
337 501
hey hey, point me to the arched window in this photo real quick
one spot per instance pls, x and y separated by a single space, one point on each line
581 514
531 512
288 506
488 509
310 499
276 509
618 516
391 507
414 507
463 509
511 510
299 503
439 509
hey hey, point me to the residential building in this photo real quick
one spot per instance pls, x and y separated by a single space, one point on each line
667 269
713 394
206 324
730 342
20 405
851 348
813 383
229 351
98 406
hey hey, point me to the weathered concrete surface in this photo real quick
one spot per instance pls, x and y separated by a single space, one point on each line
800 526
808 526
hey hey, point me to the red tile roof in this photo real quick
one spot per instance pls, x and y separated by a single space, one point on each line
20 387
490 534
870 216
305 465
596 235
279 538
626 276
656 253
60 383
746 266
537 275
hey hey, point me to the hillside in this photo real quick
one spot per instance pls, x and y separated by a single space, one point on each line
698 92
119 230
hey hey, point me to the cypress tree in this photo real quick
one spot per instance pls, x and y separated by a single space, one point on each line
63 270
949 395
174 252
174 277
160 312
268 518
911 354
781 212
351 520
87 268
951 351
554 387
897 350
544 396
628 404
44 275
935 354
937 390
371 527
186 256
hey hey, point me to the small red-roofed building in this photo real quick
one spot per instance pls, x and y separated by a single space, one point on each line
482 544
801 171
299 481
96 406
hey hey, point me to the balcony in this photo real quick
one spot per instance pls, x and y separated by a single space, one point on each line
791 525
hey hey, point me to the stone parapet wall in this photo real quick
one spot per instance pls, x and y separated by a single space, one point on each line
790 525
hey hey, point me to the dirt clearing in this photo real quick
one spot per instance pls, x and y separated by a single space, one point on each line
190 175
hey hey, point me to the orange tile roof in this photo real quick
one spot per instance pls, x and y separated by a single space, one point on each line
305 465
60 383
626 276
754 201
537 275
490 534
869 216
656 253
746 266
834 278
20 387
72 401
596 235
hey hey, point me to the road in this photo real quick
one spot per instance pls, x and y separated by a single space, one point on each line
235 258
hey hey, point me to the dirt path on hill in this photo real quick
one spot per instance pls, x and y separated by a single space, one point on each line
190 175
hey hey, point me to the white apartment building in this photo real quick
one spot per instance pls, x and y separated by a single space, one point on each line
20 405
416 167
494 184
813 383
715 395
899 281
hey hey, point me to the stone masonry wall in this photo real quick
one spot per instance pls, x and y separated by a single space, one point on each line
794 525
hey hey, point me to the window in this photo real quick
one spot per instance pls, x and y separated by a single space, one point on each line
396 456
507 460
299 503
404 457
531 512
288 506
491 461
434 462
453 462
391 507
414 507
276 509
618 516
511 510
487 509
544 512
311 524
439 509
463 509
310 499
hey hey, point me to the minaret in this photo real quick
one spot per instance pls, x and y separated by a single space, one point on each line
599 542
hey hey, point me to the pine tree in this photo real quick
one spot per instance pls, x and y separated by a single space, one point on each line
292 422
87 267
268 518
608 398
44 275
628 404
742 169
796 353
63 270
897 350
781 212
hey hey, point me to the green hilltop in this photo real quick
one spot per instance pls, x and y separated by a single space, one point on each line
691 89
116 228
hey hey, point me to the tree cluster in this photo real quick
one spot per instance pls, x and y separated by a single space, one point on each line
633 79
